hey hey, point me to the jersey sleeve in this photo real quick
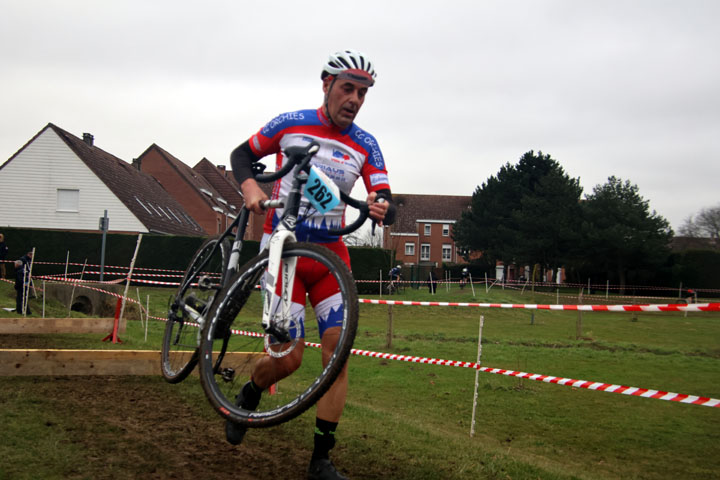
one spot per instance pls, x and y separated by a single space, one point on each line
267 140
373 171
262 145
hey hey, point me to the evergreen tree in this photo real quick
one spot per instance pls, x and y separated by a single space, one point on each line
528 213
620 234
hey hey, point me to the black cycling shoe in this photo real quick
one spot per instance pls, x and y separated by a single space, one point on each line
323 469
234 432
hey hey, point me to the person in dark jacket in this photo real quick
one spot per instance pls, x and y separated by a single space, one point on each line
3 255
22 284
432 282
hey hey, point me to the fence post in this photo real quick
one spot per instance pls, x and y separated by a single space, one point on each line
147 316
380 276
388 341
26 288
72 292
578 325
477 376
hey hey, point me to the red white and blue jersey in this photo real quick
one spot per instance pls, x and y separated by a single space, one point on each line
344 155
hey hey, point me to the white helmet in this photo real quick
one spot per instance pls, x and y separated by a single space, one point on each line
352 65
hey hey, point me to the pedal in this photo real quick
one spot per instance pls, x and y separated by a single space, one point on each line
227 374
195 303
206 283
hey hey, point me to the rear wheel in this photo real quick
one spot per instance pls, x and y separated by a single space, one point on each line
233 341
198 288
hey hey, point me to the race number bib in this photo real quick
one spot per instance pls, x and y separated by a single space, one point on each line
322 192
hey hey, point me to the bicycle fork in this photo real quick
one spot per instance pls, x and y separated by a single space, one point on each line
277 319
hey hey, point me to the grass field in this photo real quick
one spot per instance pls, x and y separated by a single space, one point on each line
406 420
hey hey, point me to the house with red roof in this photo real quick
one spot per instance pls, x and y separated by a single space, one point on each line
422 232
211 210
223 181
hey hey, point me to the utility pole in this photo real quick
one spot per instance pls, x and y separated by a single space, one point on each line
104 224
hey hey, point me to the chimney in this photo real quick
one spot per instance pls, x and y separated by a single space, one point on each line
88 138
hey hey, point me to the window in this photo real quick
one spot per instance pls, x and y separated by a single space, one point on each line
425 251
173 214
409 249
163 211
446 230
447 252
68 200
427 229
143 205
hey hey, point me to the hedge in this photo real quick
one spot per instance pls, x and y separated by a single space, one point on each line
171 252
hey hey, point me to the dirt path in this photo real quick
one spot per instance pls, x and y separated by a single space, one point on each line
141 430
139 427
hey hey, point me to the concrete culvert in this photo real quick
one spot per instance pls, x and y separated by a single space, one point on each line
82 304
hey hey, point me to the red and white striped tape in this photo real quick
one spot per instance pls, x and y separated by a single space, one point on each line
693 307
598 386
568 382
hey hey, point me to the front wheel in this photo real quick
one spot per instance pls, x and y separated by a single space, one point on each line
233 341
201 282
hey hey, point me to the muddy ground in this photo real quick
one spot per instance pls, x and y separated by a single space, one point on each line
140 427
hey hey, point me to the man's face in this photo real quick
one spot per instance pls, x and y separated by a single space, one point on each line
344 100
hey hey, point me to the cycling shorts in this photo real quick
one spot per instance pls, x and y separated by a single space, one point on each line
315 282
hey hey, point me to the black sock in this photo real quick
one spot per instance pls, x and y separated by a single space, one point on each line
251 394
324 438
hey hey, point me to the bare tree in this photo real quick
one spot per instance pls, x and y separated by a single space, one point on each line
363 237
705 224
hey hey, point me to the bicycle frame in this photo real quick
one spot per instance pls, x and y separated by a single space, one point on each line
278 270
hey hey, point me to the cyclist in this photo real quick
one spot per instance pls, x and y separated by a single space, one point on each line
346 153
463 277
394 275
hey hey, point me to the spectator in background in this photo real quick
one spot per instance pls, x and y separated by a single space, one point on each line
22 284
432 282
3 255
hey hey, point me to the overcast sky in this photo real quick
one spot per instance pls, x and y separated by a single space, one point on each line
624 88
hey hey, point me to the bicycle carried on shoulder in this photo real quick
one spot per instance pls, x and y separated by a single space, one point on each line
215 297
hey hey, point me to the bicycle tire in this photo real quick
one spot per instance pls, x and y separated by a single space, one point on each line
223 372
179 354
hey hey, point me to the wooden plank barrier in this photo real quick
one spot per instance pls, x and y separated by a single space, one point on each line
28 325
35 362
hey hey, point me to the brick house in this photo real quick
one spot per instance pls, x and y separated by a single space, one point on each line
422 232
59 181
223 181
208 207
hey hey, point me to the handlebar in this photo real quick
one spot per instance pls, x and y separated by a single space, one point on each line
296 156
362 207
300 157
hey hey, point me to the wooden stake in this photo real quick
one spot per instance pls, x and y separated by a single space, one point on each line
477 377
